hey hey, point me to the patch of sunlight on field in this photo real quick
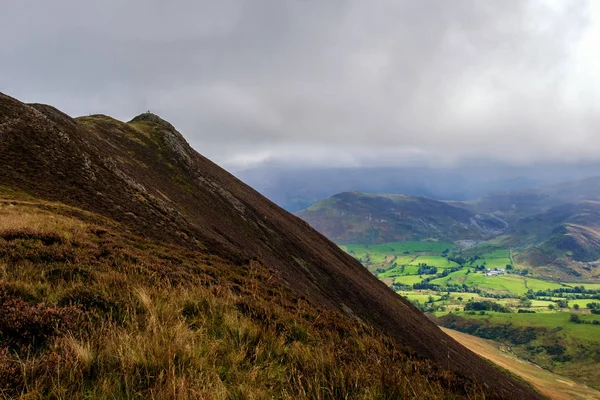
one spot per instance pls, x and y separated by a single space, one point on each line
408 279
422 298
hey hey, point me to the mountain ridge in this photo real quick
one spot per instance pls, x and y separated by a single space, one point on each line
147 179
558 236
372 218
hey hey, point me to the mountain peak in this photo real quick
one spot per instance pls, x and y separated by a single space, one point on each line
174 140
151 117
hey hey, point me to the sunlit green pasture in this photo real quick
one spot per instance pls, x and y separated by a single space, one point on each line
420 297
408 279
434 261
400 247
547 320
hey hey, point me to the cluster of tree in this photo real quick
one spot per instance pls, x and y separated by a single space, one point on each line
425 285
525 302
448 271
577 319
506 333
562 303
572 290
425 269
396 287
486 305
555 349
594 307
428 307
568 293
460 260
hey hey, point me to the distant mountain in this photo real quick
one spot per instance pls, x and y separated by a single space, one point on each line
355 217
133 267
550 228
513 205
562 241
297 188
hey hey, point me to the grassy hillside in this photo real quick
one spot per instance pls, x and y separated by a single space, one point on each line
354 217
133 267
563 241
551 340
556 387
90 312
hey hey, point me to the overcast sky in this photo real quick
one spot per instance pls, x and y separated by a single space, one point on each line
323 82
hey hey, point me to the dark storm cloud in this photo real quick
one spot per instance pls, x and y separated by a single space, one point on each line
326 82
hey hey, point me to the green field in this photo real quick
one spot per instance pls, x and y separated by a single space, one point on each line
557 336
514 284
399 247
399 262
408 279
582 303
412 296
386 258
590 286
400 270
493 263
541 303
434 261
586 332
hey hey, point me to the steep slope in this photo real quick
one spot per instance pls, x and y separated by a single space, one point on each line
353 217
564 240
132 207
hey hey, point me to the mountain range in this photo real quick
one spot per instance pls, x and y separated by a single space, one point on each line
297 188
554 229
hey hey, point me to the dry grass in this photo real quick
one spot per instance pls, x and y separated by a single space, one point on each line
18 218
162 322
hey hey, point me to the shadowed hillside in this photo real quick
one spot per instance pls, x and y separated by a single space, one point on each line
131 266
354 217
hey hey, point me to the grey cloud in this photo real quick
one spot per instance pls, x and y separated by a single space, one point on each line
386 82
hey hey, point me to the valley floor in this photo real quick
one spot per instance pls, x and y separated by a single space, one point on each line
479 290
555 386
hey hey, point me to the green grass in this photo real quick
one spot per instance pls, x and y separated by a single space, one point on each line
422 298
465 296
456 277
401 247
499 253
515 284
589 286
492 263
539 284
587 332
542 303
434 261
408 279
582 302
398 271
